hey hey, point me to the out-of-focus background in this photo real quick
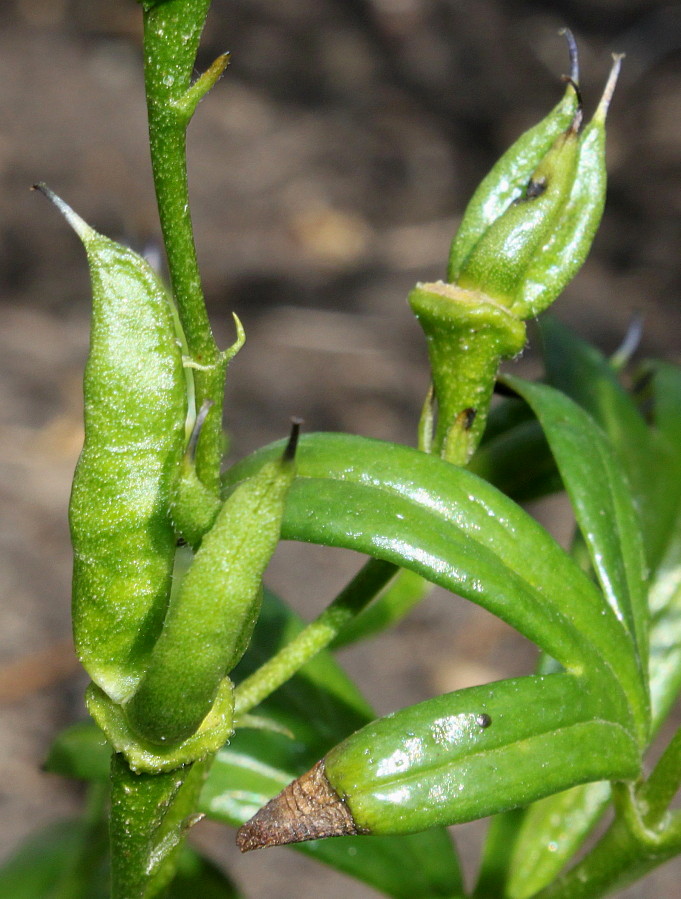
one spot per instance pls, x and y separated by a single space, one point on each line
328 169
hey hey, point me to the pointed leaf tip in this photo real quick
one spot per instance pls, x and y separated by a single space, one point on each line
602 110
81 227
307 809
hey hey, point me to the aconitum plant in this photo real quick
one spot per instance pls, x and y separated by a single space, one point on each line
210 697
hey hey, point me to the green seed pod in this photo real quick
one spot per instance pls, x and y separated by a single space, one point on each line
135 410
525 234
567 247
497 263
209 623
452 759
533 249
507 180
194 507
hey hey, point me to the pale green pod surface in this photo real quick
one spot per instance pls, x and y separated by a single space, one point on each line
135 410
568 245
194 507
531 252
497 264
209 621
507 180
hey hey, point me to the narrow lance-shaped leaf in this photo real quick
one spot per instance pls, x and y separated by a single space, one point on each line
452 759
555 827
457 531
257 764
606 516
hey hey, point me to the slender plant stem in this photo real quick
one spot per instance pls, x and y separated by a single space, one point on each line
658 791
374 575
626 852
172 31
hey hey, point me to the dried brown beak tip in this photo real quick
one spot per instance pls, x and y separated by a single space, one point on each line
308 809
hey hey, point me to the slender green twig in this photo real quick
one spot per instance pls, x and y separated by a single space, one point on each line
316 636
171 36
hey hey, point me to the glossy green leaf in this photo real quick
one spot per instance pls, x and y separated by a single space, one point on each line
65 860
554 828
665 588
604 509
319 706
651 457
584 374
436 763
456 530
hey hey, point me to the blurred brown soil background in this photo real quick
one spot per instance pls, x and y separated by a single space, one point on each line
328 171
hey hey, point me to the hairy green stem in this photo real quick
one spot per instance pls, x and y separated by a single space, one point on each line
657 792
374 575
150 817
172 30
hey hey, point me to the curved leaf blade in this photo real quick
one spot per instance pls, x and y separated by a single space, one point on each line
605 513
319 706
584 374
436 763
252 769
454 529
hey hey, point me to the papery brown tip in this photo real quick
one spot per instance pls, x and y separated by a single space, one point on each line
308 809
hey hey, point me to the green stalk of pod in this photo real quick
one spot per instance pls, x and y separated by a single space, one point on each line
467 335
208 625
135 411
509 266
195 507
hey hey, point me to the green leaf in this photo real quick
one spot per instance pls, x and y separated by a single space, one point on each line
554 828
607 518
550 832
50 864
457 531
665 588
80 751
585 375
319 706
